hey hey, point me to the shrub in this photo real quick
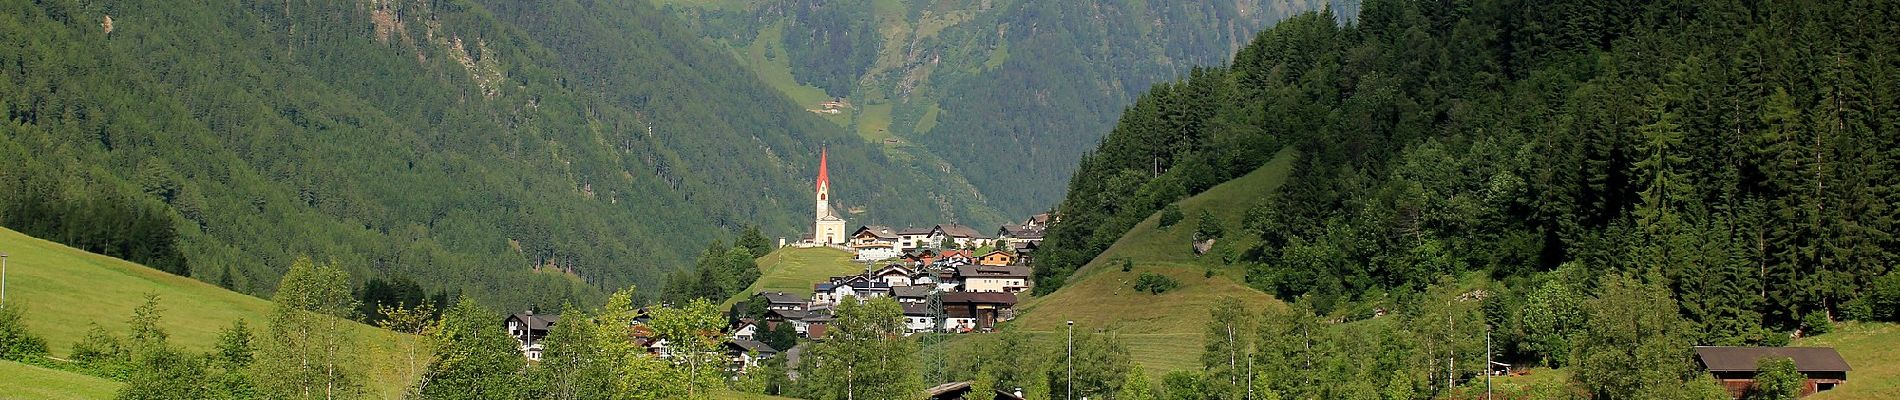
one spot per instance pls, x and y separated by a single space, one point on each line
1154 283
1128 264
1209 227
1776 378
16 344
1816 323
1171 215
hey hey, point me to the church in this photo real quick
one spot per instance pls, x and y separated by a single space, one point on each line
827 227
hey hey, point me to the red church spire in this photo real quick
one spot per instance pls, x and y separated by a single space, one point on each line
824 176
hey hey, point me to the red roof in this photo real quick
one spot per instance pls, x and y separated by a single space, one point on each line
824 176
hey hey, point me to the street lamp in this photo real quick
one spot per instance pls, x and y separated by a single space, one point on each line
1071 360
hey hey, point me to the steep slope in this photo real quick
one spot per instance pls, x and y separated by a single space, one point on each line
500 156
66 291
794 270
1164 332
1011 93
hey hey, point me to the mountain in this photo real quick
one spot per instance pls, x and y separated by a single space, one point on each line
1730 165
524 153
1010 93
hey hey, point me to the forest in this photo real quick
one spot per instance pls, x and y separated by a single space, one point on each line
473 147
1737 159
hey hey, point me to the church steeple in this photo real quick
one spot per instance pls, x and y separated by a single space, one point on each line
824 174
827 227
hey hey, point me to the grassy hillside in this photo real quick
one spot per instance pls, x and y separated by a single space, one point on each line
793 270
1873 351
26 382
1163 332
65 290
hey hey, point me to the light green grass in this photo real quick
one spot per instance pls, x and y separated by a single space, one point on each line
65 290
998 56
1873 351
794 270
708 4
26 382
1163 332
874 123
777 72
928 121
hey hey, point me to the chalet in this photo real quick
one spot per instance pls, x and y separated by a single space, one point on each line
853 286
780 301
913 294
1019 235
919 257
917 318
914 238
1038 221
997 258
745 354
962 236
1026 252
953 258
894 275
1735 366
984 278
746 329
774 318
977 312
528 329
875 243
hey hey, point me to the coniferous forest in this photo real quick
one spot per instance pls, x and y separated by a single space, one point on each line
523 153
1742 155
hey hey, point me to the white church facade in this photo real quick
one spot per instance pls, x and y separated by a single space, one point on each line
827 227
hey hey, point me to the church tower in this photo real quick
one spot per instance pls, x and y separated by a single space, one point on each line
827 228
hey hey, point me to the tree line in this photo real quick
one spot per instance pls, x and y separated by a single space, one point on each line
1736 154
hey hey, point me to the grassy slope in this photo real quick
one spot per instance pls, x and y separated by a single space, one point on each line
1163 332
1873 351
793 270
20 382
66 289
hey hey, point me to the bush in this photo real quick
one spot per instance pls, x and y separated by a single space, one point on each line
1209 227
1882 301
1128 264
1816 323
1776 379
1171 215
16 344
1154 283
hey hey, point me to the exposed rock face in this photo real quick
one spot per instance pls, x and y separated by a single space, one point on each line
1201 247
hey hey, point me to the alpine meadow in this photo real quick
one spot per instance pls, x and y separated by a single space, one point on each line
950 199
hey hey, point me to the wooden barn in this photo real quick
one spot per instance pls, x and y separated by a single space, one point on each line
1735 366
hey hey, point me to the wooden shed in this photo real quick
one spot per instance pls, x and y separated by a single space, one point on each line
1735 366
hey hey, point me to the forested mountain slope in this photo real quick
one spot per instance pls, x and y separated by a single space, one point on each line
1010 93
527 156
1740 156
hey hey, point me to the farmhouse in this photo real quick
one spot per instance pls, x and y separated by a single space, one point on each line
985 278
913 238
528 329
1735 366
962 236
977 312
745 354
875 243
997 258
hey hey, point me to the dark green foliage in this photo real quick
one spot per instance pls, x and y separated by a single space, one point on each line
16 344
1882 301
1170 215
1128 264
398 291
1816 323
166 374
754 241
720 273
1633 344
525 153
1776 378
781 339
1154 283
1208 227
473 360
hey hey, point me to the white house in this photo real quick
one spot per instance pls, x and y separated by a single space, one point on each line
963 236
874 243
894 275
528 329
913 238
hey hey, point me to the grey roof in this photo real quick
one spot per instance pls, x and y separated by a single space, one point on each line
940 391
914 231
536 322
916 309
752 346
882 232
979 298
954 230
1806 359
912 291
888 269
782 298
789 315
988 271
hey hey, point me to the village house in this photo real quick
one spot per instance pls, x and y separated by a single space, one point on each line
984 278
746 329
977 312
963 236
874 243
1025 254
1038 221
743 355
1735 367
528 329
997 258
913 294
818 324
894 275
913 238
918 318
774 318
780 301
1018 235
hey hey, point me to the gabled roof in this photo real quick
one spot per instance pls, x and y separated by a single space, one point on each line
788 315
751 346
1007 299
881 232
914 231
534 321
1735 359
916 309
995 252
1038 219
912 291
988 271
782 298
892 269
960 231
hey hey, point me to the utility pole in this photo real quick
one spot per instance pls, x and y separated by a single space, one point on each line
1487 362
3 280
1071 360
